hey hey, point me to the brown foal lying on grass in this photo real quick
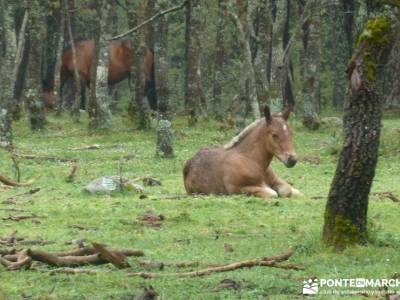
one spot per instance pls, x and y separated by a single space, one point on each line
243 165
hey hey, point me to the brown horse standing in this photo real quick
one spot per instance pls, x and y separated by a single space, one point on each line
121 59
243 165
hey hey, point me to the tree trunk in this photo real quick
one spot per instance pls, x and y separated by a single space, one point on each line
248 89
22 57
219 60
137 69
50 50
99 110
343 23
287 82
5 95
311 68
195 99
273 8
76 104
34 94
346 209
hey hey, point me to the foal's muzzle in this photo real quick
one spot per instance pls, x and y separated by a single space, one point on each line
289 160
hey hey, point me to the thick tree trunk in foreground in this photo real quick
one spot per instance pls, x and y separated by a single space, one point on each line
311 68
99 108
346 209
34 94
195 99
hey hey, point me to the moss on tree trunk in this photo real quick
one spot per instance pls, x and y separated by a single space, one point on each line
346 209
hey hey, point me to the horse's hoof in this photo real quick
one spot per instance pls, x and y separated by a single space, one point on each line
271 193
296 193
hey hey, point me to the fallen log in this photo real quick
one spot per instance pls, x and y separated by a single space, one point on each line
117 259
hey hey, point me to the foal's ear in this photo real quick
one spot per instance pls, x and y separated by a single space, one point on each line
267 114
286 113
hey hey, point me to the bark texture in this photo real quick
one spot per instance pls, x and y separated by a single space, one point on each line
219 60
5 95
99 107
346 209
311 68
34 94
195 99
342 35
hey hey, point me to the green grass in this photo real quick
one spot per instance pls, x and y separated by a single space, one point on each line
195 228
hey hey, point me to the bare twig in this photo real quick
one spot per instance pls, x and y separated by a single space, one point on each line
71 176
270 262
156 16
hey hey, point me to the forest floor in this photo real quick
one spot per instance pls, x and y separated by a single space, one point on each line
208 229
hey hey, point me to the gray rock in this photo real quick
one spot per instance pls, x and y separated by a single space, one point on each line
103 185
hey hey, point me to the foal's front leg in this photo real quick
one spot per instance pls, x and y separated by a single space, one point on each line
283 188
259 191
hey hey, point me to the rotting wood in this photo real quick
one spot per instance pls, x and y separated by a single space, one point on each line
73 271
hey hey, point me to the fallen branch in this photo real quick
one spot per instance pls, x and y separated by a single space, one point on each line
117 259
73 271
7 181
156 16
88 147
19 218
267 262
388 195
23 261
48 158
88 250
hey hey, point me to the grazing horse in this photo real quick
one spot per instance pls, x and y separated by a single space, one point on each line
121 58
243 165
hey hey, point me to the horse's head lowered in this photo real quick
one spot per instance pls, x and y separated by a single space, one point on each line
279 137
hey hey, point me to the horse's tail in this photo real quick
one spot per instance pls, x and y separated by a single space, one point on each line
150 86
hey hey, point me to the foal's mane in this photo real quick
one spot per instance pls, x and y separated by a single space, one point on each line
245 132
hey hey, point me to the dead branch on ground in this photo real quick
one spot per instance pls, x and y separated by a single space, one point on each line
7 181
266 261
46 158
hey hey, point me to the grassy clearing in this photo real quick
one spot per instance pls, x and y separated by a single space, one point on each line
194 229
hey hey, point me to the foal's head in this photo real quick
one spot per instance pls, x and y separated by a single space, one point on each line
279 137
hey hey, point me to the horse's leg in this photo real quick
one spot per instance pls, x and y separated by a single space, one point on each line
283 188
83 96
259 191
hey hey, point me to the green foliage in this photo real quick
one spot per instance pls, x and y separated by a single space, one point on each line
194 228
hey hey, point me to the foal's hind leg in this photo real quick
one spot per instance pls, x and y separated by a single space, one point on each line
259 191
283 188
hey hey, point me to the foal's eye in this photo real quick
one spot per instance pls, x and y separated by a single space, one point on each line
275 136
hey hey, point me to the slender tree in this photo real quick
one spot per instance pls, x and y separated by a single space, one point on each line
346 209
343 26
311 67
139 41
248 90
34 94
5 96
99 110
219 60
195 99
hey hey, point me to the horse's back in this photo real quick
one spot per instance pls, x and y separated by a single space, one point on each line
202 173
